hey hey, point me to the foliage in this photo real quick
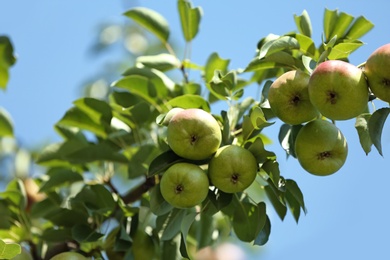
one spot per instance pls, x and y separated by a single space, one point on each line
99 192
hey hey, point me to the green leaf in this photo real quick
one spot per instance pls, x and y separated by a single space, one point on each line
185 228
9 250
44 207
15 192
163 162
249 220
173 224
56 234
303 23
361 126
308 63
277 200
6 125
271 167
295 191
279 59
189 18
190 101
67 217
263 236
306 44
159 79
375 127
151 20
7 59
258 119
343 50
96 199
158 205
287 135
277 45
83 234
161 62
342 24
329 22
89 114
142 87
257 149
360 27
214 62
59 177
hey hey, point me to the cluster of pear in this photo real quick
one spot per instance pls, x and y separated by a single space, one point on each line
336 90
195 135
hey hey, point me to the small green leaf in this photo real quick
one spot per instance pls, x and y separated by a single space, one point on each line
277 45
306 44
6 125
360 27
249 220
190 101
343 50
161 62
56 234
151 20
185 228
308 63
189 18
158 205
257 149
59 177
295 191
277 201
375 127
15 192
7 59
303 23
67 217
258 119
329 22
173 224
9 250
361 126
271 167
279 59
163 162
214 62
263 236
342 24
83 234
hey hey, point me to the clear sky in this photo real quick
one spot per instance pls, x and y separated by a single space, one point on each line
348 216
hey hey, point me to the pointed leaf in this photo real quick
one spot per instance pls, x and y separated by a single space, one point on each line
375 127
185 228
190 101
151 20
274 46
158 205
59 177
173 224
9 250
342 24
83 234
249 220
161 62
6 125
189 18
214 62
163 162
361 126
263 236
303 23
343 50
329 22
7 59
360 27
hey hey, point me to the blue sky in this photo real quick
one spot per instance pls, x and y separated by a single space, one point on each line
347 212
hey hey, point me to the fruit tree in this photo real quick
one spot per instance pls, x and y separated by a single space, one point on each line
167 164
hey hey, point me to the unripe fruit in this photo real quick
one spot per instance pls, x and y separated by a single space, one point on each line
194 134
184 185
378 73
288 97
321 148
338 90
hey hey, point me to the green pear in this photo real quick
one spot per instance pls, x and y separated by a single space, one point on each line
289 100
338 89
194 134
184 185
378 74
232 169
321 148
